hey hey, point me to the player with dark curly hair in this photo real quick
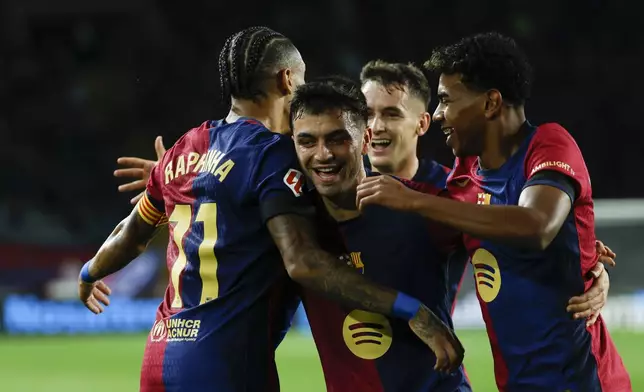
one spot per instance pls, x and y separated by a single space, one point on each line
524 203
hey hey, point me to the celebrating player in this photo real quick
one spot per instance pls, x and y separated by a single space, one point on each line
231 192
365 351
528 220
397 98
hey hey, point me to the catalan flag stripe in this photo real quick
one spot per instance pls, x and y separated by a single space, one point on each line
148 212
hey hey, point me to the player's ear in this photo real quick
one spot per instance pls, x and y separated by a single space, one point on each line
366 140
423 124
493 103
285 83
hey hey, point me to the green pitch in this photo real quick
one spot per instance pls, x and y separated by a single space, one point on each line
111 363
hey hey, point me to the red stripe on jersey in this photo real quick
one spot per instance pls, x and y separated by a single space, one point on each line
153 358
500 368
343 371
178 190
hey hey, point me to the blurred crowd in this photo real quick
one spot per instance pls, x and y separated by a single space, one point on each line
83 83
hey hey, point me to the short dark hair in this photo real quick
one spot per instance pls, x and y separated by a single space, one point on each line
327 94
487 61
398 75
248 58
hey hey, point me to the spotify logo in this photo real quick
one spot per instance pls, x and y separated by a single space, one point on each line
368 335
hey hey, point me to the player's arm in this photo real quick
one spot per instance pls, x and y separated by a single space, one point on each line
318 270
543 205
124 244
128 239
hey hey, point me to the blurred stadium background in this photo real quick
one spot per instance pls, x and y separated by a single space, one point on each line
82 83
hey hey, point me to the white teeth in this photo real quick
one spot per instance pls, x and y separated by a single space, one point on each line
326 169
381 142
448 131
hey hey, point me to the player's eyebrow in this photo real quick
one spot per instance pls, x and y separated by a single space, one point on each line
392 109
333 134
442 94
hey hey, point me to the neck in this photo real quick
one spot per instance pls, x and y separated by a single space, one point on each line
503 138
342 207
406 170
270 112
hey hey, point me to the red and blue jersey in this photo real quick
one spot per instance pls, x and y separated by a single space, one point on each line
433 173
523 294
368 352
228 301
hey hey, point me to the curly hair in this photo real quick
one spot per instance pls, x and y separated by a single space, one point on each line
486 61
247 59
398 75
327 94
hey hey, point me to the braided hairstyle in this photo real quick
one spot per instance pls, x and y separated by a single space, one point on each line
248 59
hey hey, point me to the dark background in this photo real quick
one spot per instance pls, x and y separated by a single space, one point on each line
82 83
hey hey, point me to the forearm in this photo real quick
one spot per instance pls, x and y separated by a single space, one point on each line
512 225
123 245
327 275
324 272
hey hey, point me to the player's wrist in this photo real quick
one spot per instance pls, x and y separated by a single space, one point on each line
85 275
406 307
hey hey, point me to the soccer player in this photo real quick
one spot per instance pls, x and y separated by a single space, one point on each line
524 204
398 96
359 350
233 197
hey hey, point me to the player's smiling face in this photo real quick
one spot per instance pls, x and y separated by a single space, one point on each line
395 118
330 147
461 115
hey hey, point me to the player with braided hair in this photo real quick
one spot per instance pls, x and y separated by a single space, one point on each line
233 196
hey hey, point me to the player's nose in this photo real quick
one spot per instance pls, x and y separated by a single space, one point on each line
322 153
377 125
439 115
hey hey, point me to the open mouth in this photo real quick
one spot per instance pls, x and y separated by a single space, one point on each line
447 131
380 144
327 174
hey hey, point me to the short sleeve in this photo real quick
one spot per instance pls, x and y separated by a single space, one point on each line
279 183
151 207
553 149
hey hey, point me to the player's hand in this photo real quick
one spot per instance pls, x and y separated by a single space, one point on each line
605 254
93 295
590 304
385 191
138 168
440 338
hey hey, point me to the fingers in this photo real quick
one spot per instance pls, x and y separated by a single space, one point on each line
132 162
591 302
133 186
159 147
453 355
442 360
136 198
132 172
101 292
597 270
101 286
606 260
603 250
593 318
92 305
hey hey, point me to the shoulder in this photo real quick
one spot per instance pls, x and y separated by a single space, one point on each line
552 133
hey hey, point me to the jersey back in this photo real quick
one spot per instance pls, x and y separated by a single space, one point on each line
228 300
